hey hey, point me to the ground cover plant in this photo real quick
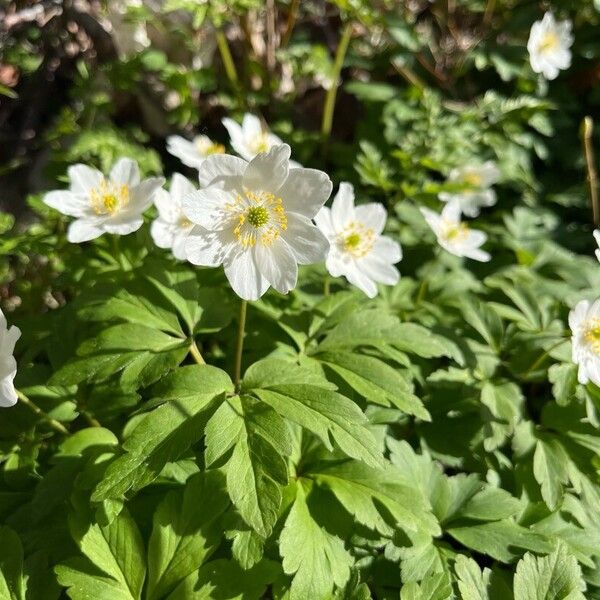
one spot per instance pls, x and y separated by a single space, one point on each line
300 300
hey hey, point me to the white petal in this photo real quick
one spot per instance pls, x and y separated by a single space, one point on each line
123 227
142 195
372 215
361 280
180 187
237 139
83 178
185 151
9 339
207 207
179 244
451 211
342 207
277 265
432 218
125 171
477 254
208 248
387 249
305 191
8 395
83 230
251 126
244 276
578 314
306 241
162 233
68 203
267 171
168 209
379 270
324 222
221 169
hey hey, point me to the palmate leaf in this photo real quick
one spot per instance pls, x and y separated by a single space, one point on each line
317 559
433 587
114 564
314 406
477 584
226 580
553 577
550 468
256 470
185 532
375 380
362 490
191 395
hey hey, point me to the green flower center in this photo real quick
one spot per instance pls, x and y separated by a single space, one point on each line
352 241
257 216
549 42
592 334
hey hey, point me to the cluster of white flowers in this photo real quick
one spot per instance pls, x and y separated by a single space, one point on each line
549 46
584 322
8 364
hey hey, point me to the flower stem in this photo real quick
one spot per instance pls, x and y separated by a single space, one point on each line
326 285
195 352
543 357
240 345
587 127
229 65
329 106
40 413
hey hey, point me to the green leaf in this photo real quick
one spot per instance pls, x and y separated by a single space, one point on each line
256 470
325 413
364 491
553 577
116 555
225 580
433 587
485 320
501 411
183 537
317 560
375 380
550 468
162 435
12 585
563 377
499 539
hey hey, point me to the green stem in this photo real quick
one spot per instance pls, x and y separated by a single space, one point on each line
291 21
326 285
240 345
587 128
195 352
543 357
40 413
229 65
329 106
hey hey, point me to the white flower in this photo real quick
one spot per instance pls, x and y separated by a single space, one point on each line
104 205
357 250
193 153
548 46
171 228
597 237
453 235
8 364
584 321
479 179
255 219
250 138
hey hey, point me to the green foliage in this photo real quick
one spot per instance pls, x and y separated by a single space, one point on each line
432 443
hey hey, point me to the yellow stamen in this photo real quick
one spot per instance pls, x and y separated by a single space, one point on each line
592 334
549 42
356 239
456 232
109 198
472 179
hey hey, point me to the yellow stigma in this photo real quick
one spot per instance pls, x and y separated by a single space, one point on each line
109 198
456 232
261 144
259 217
472 179
592 334
549 42
215 149
356 239
206 146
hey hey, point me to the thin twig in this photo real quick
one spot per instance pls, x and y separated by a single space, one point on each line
237 374
56 425
587 129
195 352
329 105
291 22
